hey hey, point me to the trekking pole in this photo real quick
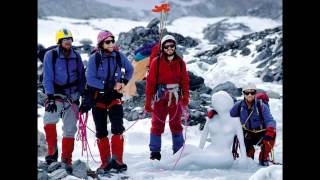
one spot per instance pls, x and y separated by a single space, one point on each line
163 9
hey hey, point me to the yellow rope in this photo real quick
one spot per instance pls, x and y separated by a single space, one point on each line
254 131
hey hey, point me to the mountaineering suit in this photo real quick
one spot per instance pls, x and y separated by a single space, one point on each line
170 76
102 77
63 82
258 128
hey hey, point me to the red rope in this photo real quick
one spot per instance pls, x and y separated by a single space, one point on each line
82 135
159 119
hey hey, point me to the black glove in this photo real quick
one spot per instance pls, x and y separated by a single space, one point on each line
51 105
85 104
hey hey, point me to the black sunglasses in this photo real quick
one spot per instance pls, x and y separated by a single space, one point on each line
170 45
109 41
66 39
250 92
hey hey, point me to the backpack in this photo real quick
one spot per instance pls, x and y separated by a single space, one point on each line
263 98
41 54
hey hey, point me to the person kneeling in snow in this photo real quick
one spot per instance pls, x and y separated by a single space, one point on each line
168 83
258 125
221 128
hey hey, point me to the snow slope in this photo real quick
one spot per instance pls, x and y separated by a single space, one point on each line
236 69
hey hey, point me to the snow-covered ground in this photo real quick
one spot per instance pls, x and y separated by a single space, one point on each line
237 69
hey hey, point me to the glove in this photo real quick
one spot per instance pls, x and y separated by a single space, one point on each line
119 87
211 113
269 137
185 100
270 134
86 103
51 105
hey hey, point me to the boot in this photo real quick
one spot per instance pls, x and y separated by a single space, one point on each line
51 138
66 156
104 150
52 158
117 153
250 152
155 155
177 142
266 148
264 162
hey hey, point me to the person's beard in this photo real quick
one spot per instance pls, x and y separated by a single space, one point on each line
169 55
66 51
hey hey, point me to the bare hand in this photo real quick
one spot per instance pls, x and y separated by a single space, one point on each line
119 87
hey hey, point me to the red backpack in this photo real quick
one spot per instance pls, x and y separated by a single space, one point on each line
262 96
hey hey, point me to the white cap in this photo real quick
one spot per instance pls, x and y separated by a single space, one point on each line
249 86
166 38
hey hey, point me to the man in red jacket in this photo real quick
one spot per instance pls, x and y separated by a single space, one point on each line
168 88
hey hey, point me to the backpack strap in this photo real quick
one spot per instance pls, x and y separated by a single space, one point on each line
98 59
259 107
158 64
118 59
54 60
119 63
77 66
180 66
180 62
157 74
240 108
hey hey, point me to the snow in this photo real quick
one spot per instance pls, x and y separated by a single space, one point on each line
235 68
271 172
146 4
194 29
135 4
82 28
255 24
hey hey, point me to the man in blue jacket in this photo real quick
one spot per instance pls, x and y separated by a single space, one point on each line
63 81
107 73
258 125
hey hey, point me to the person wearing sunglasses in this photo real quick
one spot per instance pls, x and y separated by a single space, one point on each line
167 90
258 125
63 81
106 80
